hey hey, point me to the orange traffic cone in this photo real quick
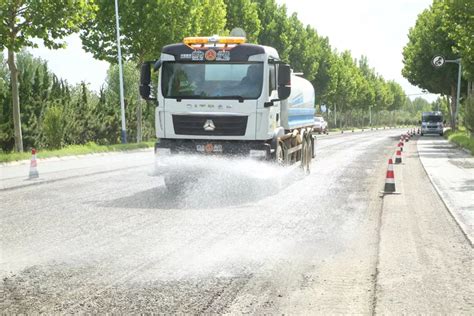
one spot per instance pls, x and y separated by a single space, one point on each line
400 145
390 178
33 165
398 157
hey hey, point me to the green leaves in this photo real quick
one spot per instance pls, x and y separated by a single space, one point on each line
243 14
47 20
426 40
146 26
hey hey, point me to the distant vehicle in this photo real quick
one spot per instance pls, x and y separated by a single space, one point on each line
320 125
432 123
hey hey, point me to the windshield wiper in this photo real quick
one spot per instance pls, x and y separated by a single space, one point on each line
227 97
180 97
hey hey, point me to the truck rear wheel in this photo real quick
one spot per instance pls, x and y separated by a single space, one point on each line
306 155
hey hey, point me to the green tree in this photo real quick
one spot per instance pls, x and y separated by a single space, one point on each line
322 78
458 21
48 20
132 98
243 14
276 26
53 126
428 38
146 26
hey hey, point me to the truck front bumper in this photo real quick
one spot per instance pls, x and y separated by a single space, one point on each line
254 149
431 130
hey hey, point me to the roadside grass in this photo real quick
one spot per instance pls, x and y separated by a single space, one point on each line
461 138
73 150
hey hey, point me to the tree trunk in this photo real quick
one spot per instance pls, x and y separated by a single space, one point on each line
139 121
453 108
15 101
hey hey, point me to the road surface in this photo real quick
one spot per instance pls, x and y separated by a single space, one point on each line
247 237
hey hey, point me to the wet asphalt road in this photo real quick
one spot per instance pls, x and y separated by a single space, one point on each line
245 238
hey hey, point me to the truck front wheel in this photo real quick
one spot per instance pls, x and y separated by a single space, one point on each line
280 153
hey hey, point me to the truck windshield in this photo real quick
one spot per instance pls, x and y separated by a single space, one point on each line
212 80
432 118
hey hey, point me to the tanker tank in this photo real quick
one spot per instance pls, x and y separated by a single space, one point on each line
298 110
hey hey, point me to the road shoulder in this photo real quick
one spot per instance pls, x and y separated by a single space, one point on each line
451 171
424 263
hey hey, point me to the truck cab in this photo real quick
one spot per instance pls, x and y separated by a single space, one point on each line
219 89
432 123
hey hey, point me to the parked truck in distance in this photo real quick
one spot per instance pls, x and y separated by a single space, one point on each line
221 96
432 123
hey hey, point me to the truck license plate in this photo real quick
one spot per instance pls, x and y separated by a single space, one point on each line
209 148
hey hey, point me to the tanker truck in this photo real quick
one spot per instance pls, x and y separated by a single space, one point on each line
221 96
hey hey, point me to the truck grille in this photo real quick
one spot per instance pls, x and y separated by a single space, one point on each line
224 125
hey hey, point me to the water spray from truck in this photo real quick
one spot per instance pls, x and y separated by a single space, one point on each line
219 96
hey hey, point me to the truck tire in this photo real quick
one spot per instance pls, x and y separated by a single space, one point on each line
310 152
306 155
280 153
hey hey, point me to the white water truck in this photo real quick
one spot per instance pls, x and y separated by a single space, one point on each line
220 96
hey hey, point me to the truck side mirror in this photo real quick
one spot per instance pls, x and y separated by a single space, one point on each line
284 81
145 79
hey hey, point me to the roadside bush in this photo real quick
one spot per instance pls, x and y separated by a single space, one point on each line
53 127
469 115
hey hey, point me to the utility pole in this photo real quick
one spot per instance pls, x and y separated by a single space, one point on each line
458 92
335 119
122 102
439 61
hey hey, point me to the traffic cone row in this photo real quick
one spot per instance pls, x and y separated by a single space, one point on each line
33 166
390 177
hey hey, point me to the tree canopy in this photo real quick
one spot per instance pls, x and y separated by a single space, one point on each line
46 20
445 29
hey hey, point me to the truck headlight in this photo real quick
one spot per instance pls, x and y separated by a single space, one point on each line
260 154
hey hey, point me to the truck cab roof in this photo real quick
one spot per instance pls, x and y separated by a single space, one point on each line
237 53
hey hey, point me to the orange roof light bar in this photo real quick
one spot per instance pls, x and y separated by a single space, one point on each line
214 40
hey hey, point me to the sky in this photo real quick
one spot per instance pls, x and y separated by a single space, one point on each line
375 28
